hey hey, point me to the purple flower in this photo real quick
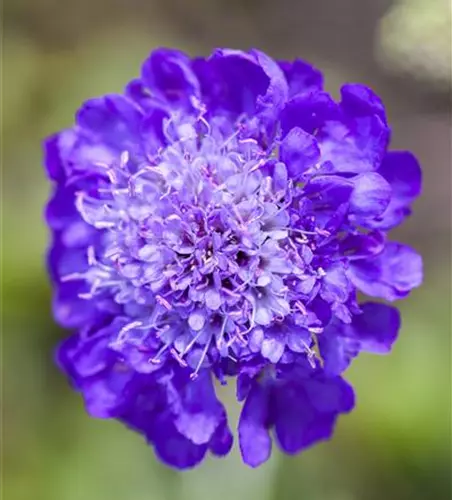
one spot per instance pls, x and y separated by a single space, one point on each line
218 220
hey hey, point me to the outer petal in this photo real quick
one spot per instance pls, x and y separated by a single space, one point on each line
168 74
200 412
86 358
113 120
308 111
376 327
152 130
245 379
254 438
335 285
371 195
307 409
330 394
61 210
299 151
359 100
358 246
337 350
221 442
71 151
136 347
52 159
155 409
64 355
276 95
294 416
403 172
93 367
105 395
329 191
356 141
391 275
374 330
243 82
354 147
70 311
301 77
173 448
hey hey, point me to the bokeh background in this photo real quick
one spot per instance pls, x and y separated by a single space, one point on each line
56 53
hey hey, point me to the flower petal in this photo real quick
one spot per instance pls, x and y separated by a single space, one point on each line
376 327
308 111
113 120
273 347
403 172
335 285
222 440
301 77
299 151
105 395
52 158
169 75
243 82
254 439
173 448
329 191
354 144
359 100
337 351
200 412
358 246
370 196
307 410
330 394
390 275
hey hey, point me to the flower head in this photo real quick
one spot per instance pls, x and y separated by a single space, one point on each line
218 220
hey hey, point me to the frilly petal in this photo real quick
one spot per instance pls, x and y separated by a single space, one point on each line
169 76
254 438
301 76
390 275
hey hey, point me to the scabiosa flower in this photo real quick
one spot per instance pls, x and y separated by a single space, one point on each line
217 221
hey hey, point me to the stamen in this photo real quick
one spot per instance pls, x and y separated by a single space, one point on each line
302 307
230 138
91 255
124 159
178 358
129 327
206 124
321 272
73 277
257 166
192 343
201 360
249 140
163 302
322 232
156 359
220 339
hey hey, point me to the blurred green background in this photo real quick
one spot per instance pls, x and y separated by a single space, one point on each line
397 444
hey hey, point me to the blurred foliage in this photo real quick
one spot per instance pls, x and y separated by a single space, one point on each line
395 445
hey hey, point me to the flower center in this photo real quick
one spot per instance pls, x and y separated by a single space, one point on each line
198 233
